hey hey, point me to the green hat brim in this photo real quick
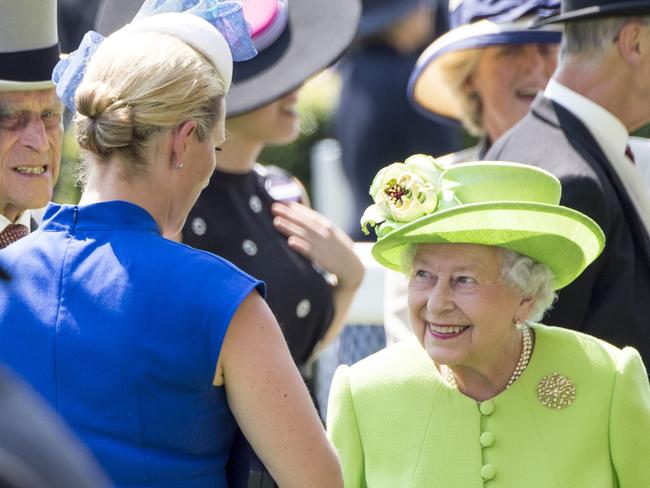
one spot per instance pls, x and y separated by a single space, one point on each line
563 239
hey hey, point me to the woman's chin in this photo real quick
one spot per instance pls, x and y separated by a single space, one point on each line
442 354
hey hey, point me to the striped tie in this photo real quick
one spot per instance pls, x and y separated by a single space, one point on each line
12 233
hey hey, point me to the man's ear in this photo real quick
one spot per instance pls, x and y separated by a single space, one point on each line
181 136
632 44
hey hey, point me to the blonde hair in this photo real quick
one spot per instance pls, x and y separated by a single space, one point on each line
138 84
456 70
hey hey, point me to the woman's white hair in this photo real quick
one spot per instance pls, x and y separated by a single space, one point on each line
529 277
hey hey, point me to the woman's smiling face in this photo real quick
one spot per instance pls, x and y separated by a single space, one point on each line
460 310
507 79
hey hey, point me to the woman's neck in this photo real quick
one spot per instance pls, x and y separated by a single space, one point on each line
144 191
238 154
493 375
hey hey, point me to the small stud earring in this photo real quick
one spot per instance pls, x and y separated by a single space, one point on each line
179 164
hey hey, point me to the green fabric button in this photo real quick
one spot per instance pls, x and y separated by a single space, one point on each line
486 439
486 407
488 472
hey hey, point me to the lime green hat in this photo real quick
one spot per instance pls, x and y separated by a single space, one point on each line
494 203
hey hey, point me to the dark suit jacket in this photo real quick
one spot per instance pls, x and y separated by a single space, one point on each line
611 299
375 123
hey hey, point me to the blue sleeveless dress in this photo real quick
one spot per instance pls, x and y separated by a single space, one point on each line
120 330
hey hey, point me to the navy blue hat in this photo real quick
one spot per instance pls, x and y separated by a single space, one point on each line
377 15
587 9
476 24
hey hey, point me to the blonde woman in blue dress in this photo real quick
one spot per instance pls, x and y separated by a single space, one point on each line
154 352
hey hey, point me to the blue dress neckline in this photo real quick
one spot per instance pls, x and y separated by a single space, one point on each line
111 215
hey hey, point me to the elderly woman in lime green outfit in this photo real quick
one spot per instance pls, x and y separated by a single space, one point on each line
483 395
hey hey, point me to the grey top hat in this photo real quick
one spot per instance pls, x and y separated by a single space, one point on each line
29 44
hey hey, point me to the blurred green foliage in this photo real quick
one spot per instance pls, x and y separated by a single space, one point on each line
67 190
643 131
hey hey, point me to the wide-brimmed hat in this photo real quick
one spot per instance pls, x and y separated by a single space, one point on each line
378 15
294 39
475 24
589 9
29 44
509 205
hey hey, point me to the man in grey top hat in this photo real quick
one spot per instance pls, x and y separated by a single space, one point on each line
578 130
31 126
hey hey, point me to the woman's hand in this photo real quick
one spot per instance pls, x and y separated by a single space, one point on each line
319 240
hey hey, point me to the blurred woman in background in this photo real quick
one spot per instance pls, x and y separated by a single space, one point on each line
259 217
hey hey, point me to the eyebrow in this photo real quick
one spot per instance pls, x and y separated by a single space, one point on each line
475 266
17 107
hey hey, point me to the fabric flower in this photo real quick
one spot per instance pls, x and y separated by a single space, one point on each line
403 192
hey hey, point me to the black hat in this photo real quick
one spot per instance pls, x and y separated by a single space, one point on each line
589 9
29 45
295 39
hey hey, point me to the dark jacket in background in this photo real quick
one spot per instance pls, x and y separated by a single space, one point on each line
611 299
376 124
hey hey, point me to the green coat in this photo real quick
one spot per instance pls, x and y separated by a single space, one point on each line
397 424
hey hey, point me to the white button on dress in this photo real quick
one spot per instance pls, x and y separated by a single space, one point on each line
249 247
199 226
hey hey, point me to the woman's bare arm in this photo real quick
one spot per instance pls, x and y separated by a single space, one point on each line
270 401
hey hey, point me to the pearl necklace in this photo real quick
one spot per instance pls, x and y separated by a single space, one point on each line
524 359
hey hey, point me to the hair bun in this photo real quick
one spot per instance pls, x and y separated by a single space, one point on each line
104 121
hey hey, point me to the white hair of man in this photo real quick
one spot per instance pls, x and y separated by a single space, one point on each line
589 39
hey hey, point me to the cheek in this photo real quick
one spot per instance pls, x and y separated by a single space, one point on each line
497 306
5 146
55 138
416 302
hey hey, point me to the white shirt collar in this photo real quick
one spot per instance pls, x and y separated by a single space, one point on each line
607 129
25 218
